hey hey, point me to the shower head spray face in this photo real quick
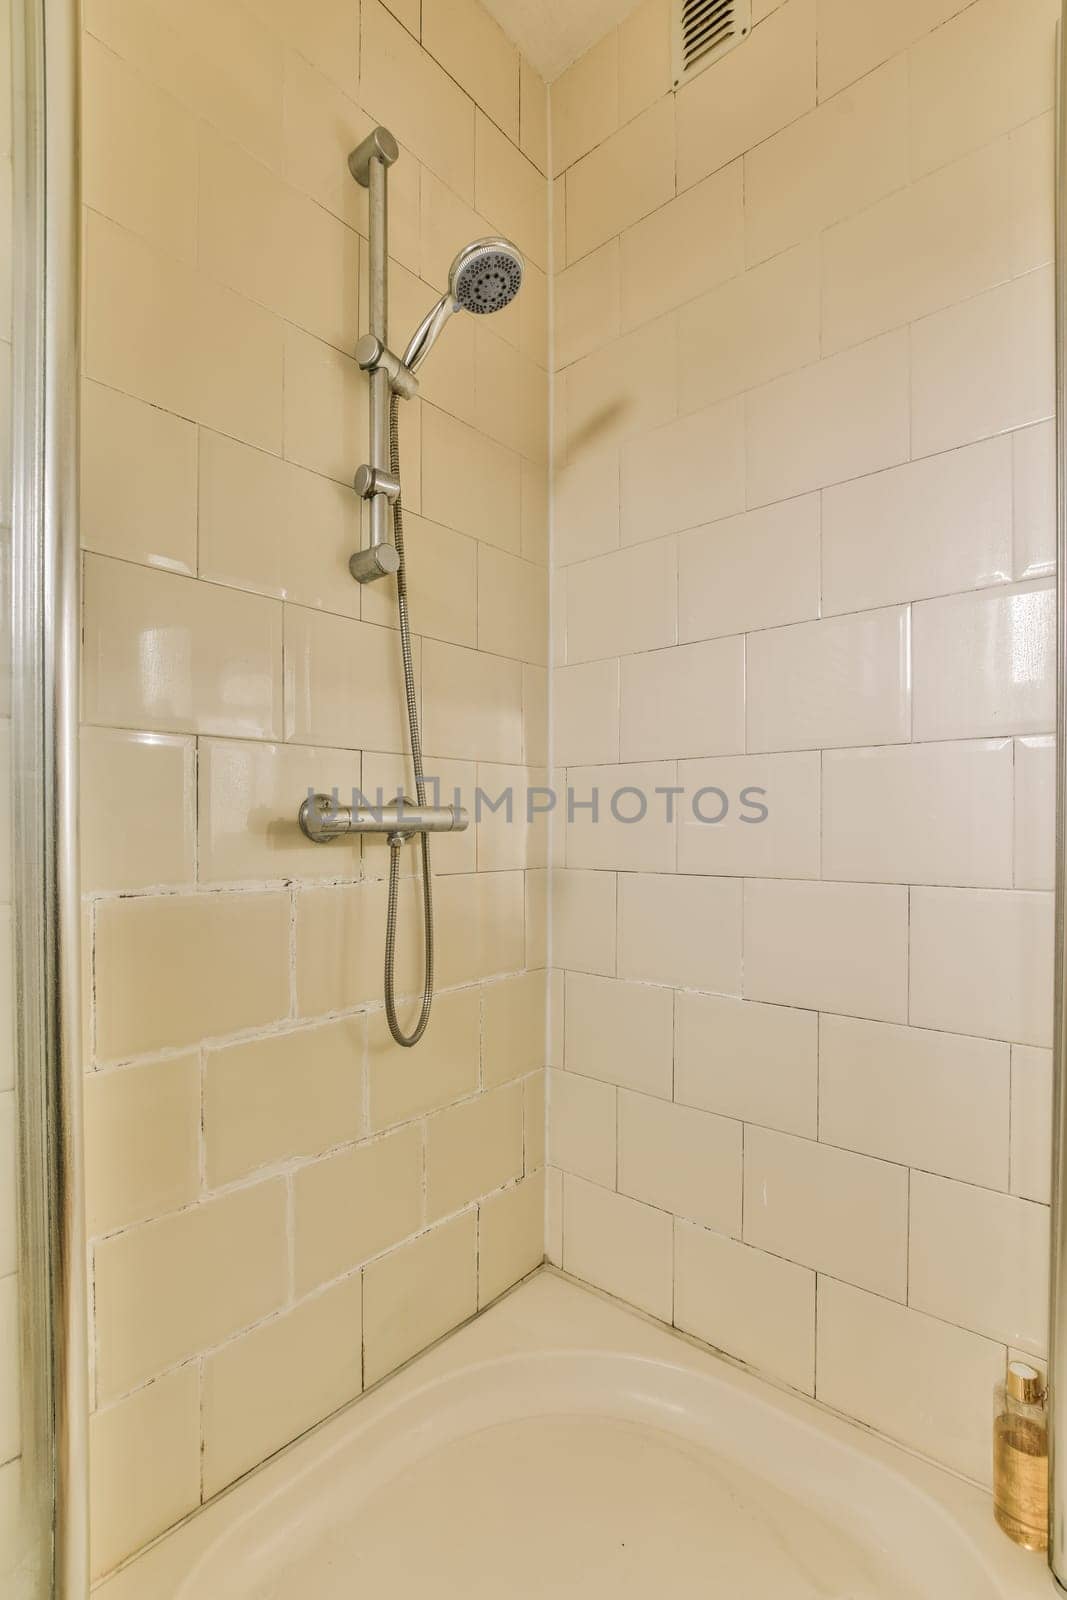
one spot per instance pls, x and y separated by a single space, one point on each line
485 277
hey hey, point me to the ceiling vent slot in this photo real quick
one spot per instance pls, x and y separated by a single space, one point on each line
704 30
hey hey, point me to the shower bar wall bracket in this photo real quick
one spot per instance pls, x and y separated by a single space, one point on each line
369 164
323 820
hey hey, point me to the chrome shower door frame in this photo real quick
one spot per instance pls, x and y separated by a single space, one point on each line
45 624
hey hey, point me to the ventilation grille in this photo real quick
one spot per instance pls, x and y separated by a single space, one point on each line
704 30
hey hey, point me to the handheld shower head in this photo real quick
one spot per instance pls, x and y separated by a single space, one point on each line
485 277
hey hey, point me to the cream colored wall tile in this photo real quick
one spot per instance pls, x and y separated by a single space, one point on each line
602 619
535 512
482 926
293 1094
915 1378
535 715
752 93
533 119
409 12
618 1245
328 663
169 653
838 682
241 364
620 1033
981 963
274 245
473 1149
856 35
510 191
644 57
442 585
955 233
232 954
472 704
896 1093
8 1194
534 1121
583 921
138 481
405 88
840 158
454 458
249 797
587 304
142 1142
586 712
1034 455
582 1127
756 327
756 570
980 1260
1031 1123
988 70
514 1027
511 1237
927 528
417 1293
621 390
354 1205
689 472
689 701
681 1160
512 606
138 802
339 933
322 124
535 885
751 1305
686 248
266 1389
144 1458
139 163
475 51
983 367
168 1289
586 506
840 1213
832 946
960 646
142 332
608 825
249 505
216 59
753 1062
1035 813
936 813
406 1083
325 409
628 176
839 419
329 37
682 932
585 102
751 816
498 387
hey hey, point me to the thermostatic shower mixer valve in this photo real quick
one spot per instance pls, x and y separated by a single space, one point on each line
485 277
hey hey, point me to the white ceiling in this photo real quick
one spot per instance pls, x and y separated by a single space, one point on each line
553 33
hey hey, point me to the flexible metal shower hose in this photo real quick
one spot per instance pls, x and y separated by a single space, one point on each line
396 842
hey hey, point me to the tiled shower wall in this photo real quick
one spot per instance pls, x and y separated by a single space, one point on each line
804 540
284 1206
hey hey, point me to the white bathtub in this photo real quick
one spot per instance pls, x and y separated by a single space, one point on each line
562 1445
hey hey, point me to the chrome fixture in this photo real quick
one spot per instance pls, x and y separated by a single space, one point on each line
485 277
322 819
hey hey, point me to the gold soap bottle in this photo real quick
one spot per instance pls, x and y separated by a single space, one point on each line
1020 1457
